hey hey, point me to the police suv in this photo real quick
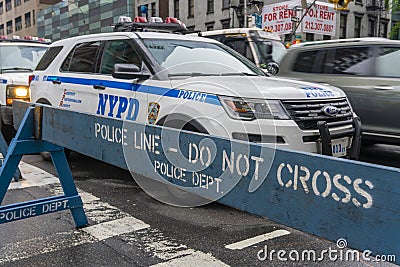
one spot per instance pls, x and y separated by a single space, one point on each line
195 84
18 58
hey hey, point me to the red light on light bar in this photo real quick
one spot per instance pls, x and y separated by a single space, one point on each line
140 19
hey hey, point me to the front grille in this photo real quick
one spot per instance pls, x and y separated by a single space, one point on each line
307 113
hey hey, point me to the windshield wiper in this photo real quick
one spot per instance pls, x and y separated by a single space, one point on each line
239 74
16 68
191 74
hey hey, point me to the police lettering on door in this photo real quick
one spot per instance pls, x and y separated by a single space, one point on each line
117 107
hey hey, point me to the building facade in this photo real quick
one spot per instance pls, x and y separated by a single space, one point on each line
71 18
61 19
18 17
364 17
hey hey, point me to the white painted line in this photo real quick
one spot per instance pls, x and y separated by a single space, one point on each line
198 258
106 230
257 239
33 176
172 149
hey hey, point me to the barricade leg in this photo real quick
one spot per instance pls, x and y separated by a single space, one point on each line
25 143
67 183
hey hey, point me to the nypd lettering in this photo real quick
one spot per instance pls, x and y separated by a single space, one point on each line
118 106
315 92
190 95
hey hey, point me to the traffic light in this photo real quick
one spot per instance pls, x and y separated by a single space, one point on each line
340 4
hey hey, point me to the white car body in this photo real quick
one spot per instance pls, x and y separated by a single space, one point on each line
196 100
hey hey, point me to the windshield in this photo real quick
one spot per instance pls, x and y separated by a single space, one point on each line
185 57
20 57
278 51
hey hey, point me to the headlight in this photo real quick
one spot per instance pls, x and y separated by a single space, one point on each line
251 109
19 92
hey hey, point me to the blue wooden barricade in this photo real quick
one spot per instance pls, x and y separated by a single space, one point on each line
26 143
329 197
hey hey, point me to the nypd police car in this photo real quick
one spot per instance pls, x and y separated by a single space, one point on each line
18 58
195 84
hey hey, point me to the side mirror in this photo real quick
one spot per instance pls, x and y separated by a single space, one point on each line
129 71
272 68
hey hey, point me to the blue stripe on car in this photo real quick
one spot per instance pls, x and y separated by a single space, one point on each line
154 90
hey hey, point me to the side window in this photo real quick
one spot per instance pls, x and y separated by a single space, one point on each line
118 51
308 61
241 46
387 63
82 58
48 57
350 60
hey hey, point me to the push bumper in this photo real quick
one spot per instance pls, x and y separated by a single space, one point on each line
327 136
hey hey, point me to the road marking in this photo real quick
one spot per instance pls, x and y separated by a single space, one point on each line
257 239
197 258
116 227
109 222
33 176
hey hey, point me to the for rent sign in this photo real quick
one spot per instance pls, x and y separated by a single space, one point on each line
320 18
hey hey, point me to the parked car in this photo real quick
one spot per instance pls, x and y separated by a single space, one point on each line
367 69
18 59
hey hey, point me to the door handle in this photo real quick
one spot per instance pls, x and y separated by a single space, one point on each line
99 87
383 87
56 81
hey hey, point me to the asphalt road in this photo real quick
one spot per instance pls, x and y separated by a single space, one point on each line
129 228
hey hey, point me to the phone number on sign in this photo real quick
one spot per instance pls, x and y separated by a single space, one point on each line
280 27
319 26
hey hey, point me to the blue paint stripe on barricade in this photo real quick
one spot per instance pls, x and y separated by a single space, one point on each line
329 197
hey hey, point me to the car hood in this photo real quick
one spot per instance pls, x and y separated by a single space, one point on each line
257 87
15 78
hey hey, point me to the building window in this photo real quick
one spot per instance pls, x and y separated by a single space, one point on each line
17 3
2 29
153 9
190 8
33 17
226 4
371 27
210 26
326 37
1 10
357 26
18 24
384 29
226 23
309 36
27 20
343 26
8 5
176 9
9 27
210 6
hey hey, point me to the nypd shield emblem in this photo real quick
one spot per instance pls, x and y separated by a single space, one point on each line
152 112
